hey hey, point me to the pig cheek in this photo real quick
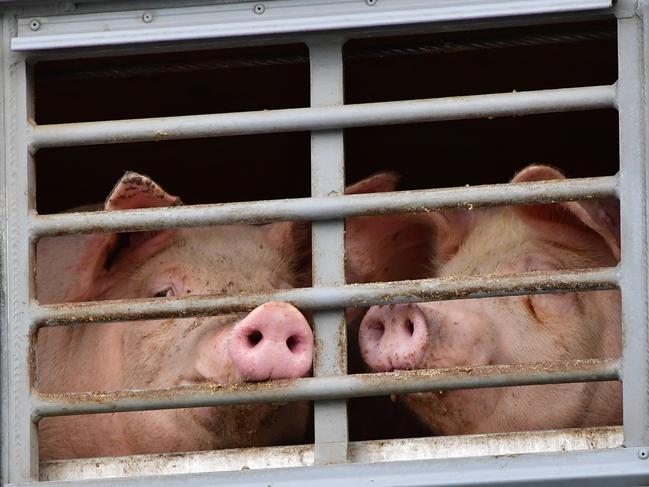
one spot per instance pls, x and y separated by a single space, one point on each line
454 412
253 425
213 361
155 352
166 430
459 335
435 410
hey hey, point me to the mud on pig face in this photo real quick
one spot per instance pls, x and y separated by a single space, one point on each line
517 329
273 341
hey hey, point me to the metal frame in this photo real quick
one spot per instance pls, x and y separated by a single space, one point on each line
631 99
441 447
321 118
260 18
21 407
599 468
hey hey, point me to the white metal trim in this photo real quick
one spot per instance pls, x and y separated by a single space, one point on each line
265 18
359 452
592 468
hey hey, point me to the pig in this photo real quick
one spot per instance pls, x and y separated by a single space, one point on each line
508 330
273 341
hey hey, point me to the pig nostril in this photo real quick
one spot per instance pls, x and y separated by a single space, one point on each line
255 337
292 342
410 327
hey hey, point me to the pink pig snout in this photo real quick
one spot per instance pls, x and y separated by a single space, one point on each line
393 337
273 342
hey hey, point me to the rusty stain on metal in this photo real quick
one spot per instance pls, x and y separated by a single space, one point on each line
342 344
31 357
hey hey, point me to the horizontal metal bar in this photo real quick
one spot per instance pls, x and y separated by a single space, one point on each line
401 449
609 467
324 118
245 19
325 208
327 387
318 298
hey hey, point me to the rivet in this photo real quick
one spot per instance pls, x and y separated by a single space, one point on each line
34 24
643 453
371 3
259 9
147 17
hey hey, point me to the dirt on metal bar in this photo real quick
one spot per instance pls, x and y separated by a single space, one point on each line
330 387
325 207
334 297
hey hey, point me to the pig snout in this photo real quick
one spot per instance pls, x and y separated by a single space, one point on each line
273 342
393 337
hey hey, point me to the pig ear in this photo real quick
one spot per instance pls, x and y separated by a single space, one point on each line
378 183
386 248
101 251
601 216
137 191
294 238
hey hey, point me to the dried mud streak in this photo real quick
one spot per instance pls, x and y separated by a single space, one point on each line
342 344
352 386
256 212
446 288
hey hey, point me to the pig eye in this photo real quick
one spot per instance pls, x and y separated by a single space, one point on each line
165 293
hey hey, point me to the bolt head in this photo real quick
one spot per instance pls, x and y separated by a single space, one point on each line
371 3
34 24
259 9
147 17
643 453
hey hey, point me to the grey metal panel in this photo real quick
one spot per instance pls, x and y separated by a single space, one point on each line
266 18
359 452
328 250
4 356
325 208
602 468
319 298
328 387
633 174
21 434
324 118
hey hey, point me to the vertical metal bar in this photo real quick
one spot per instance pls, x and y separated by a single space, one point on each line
633 174
328 179
4 362
22 446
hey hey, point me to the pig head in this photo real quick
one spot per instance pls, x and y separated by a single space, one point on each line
508 330
273 341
